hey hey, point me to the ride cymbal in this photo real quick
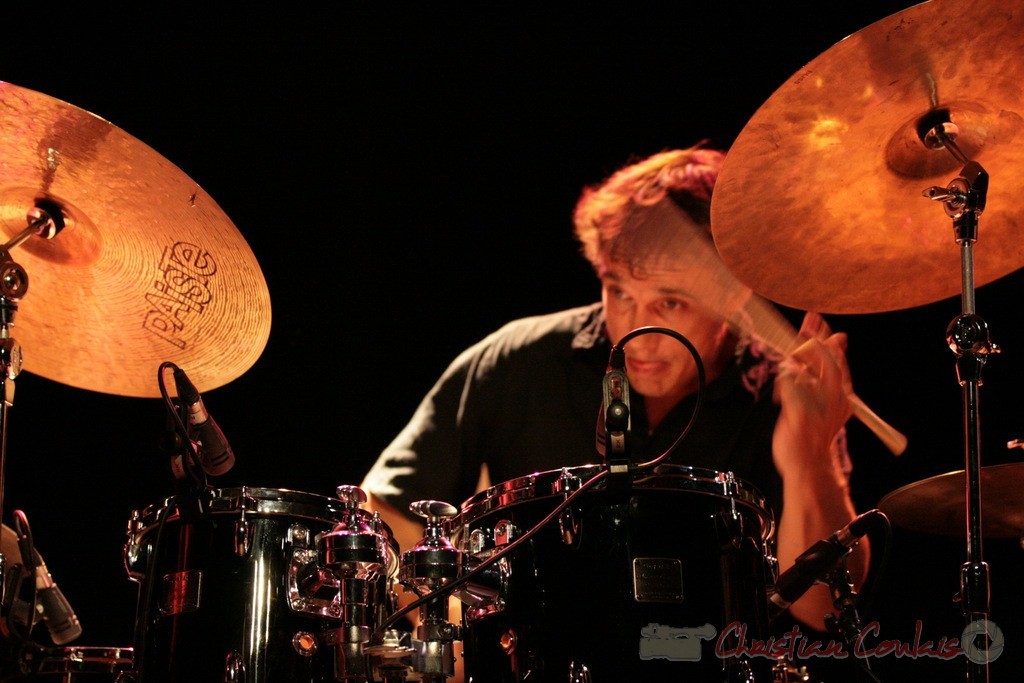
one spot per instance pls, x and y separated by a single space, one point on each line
147 269
937 505
819 204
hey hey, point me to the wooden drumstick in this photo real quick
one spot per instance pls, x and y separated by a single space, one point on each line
703 275
762 320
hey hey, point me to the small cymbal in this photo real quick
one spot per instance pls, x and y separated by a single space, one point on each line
819 204
937 504
147 269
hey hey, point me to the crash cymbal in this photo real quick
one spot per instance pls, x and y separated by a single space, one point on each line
148 268
819 204
936 505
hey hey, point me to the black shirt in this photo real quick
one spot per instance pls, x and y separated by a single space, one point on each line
527 399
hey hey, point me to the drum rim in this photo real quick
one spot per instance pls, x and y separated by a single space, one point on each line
258 493
522 489
290 504
332 511
84 659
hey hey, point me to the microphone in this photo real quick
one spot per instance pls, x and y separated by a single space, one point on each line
817 561
613 422
60 619
215 455
50 603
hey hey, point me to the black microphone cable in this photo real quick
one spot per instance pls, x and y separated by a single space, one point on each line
182 443
618 350
26 546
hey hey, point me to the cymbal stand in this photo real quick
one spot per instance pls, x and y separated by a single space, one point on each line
13 286
968 337
847 625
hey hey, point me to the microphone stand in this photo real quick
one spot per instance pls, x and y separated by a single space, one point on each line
847 626
968 337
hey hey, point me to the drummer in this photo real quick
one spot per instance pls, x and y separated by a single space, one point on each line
527 398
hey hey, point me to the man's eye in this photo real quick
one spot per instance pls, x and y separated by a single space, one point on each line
675 305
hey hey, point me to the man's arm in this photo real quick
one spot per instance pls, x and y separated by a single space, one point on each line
807 446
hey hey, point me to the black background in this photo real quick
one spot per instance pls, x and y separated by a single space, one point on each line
405 175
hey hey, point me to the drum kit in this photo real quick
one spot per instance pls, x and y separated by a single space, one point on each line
268 585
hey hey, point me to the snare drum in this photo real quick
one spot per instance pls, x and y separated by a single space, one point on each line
77 665
242 589
631 582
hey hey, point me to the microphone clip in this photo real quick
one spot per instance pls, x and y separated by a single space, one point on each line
617 422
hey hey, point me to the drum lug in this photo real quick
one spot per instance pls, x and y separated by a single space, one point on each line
298 536
243 527
730 523
771 564
485 594
730 486
567 482
504 532
569 525
578 672
234 668
480 540
243 536
133 546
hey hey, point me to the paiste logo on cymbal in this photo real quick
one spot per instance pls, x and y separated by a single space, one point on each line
182 292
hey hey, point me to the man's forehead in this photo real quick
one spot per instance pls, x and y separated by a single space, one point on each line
666 283
663 275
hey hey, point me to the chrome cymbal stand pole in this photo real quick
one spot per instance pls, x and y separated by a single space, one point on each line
44 220
968 337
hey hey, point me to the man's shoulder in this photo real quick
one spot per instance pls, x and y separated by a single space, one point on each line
550 337
557 326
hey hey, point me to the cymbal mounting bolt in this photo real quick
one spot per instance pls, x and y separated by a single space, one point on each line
13 280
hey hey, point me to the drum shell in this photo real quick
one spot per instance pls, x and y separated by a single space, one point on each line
76 665
209 601
574 600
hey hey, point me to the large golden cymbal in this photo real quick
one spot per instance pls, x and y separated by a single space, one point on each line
937 505
148 268
819 204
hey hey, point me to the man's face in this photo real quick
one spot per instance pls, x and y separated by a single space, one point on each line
659 366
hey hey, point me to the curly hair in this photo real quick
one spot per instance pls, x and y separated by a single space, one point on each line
609 217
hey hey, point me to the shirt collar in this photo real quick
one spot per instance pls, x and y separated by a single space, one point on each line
591 333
